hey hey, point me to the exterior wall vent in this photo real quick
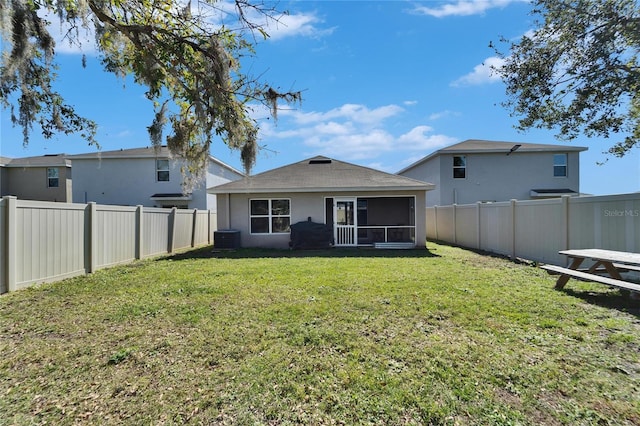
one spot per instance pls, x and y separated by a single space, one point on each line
320 161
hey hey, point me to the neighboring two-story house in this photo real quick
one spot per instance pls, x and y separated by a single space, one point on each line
144 176
44 178
485 171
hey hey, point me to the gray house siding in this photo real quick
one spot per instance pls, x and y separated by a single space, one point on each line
496 171
133 181
498 177
31 183
233 213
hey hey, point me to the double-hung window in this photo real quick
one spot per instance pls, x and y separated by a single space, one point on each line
560 165
162 170
459 167
53 177
270 216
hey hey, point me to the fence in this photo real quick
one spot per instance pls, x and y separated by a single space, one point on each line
47 241
538 229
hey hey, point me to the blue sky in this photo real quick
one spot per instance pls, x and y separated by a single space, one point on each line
384 84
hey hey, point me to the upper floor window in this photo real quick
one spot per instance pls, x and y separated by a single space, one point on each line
560 165
162 170
459 167
270 216
53 177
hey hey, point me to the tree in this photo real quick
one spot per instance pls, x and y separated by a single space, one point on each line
578 71
189 64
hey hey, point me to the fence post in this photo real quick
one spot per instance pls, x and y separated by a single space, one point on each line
139 231
565 223
478 224
11 248
435 219
172 229
513 228
194 227
92 217
455 224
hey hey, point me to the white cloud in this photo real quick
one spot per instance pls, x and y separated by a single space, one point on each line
462 8
353 112
482 73
305 25
419 138
353 132
443 114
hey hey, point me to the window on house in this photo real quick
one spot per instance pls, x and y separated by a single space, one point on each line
270 216
560 165
53 177
162 170
459 167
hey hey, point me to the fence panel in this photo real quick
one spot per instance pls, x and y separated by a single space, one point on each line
116 239
50 241
608 222
431 223
539 230
3 254
183 229
496 228
155 231
201 228
445 230
467 226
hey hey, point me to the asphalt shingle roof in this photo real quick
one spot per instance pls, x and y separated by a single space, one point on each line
321 174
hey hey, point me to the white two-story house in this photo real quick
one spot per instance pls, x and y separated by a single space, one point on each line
144 176
486 171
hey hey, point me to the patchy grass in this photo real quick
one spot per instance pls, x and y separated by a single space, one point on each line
341 336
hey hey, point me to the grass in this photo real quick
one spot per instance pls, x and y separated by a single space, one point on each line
323 337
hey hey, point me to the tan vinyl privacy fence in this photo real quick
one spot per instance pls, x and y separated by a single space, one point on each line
537 229
47 241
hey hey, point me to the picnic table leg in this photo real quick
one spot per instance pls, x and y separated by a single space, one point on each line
612 270
562 280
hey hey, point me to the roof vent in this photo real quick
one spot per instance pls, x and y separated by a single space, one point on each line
320 161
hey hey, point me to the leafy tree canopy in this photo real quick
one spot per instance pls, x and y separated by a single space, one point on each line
188 62
578 71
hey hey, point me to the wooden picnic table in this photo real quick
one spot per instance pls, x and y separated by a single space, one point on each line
610 262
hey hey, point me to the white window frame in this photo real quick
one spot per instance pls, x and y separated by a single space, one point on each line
463 167
158 170
56 177
269 216
564 164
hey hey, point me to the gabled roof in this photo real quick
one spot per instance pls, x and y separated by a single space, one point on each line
144 152
476 146
48 160
320 174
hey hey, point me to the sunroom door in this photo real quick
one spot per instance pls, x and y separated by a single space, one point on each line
345 222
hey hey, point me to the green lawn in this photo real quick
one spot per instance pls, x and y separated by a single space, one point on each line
322 337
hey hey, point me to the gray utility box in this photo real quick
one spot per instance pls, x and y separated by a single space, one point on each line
226 239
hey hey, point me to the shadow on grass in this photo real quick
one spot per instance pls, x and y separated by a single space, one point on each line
618 300
258 253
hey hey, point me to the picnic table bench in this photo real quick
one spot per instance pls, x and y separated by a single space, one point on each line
610 262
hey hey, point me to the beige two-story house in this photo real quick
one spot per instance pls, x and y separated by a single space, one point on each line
43 178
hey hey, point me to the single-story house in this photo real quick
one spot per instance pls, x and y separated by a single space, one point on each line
365 207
